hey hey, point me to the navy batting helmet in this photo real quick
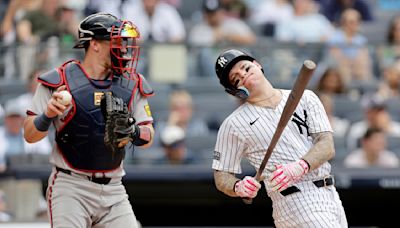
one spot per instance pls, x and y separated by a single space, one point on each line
225 61
96 26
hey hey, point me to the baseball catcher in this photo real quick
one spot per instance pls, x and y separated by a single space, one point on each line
108 109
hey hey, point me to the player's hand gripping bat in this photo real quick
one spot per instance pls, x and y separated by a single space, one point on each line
303 77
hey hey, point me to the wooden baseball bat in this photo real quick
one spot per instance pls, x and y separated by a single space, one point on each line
299 86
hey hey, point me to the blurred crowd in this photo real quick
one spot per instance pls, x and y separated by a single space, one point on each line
353 72
37 35
356 44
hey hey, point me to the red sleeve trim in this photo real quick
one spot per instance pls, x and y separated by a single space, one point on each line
30 113
145 123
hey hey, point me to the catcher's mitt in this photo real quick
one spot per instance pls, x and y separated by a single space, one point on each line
119 122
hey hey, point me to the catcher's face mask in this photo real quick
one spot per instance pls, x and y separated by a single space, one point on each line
124 49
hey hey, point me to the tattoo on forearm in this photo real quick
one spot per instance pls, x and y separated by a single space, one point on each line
322 151
225 182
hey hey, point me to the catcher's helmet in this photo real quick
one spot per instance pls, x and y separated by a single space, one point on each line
225 61
123 35
96 26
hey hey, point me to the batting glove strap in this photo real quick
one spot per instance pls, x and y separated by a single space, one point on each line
286 175
247 188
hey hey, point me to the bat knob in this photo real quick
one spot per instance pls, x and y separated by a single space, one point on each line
310 64
247 200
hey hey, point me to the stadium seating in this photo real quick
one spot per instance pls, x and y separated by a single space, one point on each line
341 150
348 108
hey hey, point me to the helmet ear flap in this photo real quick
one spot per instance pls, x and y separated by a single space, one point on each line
241 92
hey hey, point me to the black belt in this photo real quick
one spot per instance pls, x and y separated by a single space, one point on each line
328 181
97 180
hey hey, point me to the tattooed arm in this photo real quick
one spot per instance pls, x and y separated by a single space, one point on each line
225 182
322 151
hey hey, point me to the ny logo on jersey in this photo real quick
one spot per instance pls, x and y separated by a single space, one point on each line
301 123
222 61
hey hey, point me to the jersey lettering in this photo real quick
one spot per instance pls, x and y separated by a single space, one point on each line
301 123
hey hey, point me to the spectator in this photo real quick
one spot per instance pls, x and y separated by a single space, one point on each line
38 25
340 126
268 13
217 29
393 33
4 215
331 82
319 29
1 111
11 134
389 86
373 152
235 8
389 52
113 7
334 8
25 99
7 30
376 115
349 51
68 17
157 21
15 12
175 3
179 125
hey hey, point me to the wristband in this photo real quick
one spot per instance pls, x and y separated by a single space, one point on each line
42 122
141 136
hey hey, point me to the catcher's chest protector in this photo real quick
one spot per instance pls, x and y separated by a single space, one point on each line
81 139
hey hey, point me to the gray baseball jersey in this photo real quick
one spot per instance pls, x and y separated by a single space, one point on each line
139 107
73 199
247 132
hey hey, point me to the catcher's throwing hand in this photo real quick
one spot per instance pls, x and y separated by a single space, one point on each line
247 188
119 123
54 107
286 175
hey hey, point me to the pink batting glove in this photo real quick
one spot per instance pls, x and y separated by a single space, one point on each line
247 188
286 175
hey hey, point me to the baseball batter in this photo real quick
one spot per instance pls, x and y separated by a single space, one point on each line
85 188
297 177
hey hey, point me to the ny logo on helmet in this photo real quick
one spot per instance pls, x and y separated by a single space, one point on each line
222 61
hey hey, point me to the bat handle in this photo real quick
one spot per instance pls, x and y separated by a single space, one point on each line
247 200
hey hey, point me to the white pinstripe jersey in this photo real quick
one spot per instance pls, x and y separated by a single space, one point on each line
247 132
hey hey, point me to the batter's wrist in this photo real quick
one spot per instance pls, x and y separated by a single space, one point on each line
308 164
234 185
